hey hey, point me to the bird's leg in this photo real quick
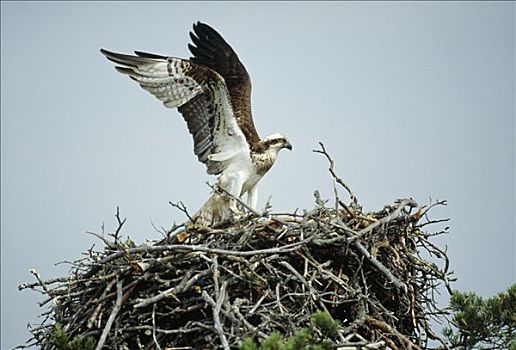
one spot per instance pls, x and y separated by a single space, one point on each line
252 197
233 185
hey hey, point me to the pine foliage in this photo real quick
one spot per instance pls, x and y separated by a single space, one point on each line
483 323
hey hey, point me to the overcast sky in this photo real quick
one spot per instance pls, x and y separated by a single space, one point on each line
411 99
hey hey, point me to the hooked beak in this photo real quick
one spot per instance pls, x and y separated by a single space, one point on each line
288 146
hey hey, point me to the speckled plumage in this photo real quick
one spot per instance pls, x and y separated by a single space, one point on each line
212 90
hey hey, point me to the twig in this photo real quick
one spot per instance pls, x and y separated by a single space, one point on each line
183 286
216 306
408 344
332 171
112 316
116 234
346 208
154 327
216 276
102 238
93 317
395 281
394 215
40 281
182 207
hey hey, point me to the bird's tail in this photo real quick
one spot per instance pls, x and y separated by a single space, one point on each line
214 212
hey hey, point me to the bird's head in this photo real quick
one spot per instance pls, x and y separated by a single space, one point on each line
276 142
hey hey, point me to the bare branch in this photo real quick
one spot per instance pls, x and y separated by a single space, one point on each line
216 306
111 319
182 207
333 174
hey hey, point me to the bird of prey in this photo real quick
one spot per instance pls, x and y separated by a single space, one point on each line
212 91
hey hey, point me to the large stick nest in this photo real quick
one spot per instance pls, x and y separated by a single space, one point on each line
200 288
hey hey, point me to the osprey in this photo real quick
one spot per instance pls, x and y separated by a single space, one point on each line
212 90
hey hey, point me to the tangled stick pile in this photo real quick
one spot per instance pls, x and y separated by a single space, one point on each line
210 288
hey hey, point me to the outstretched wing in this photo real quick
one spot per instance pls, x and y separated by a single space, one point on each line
211 50
201 96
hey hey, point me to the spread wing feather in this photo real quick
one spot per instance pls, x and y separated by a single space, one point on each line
201 96
211 50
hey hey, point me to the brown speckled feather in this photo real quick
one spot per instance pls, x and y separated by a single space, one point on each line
211 50
199 93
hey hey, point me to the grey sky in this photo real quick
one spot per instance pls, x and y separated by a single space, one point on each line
411 99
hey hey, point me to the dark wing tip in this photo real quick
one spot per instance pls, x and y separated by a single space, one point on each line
205 31
149 55
105 52
210 43
204 26
112 56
